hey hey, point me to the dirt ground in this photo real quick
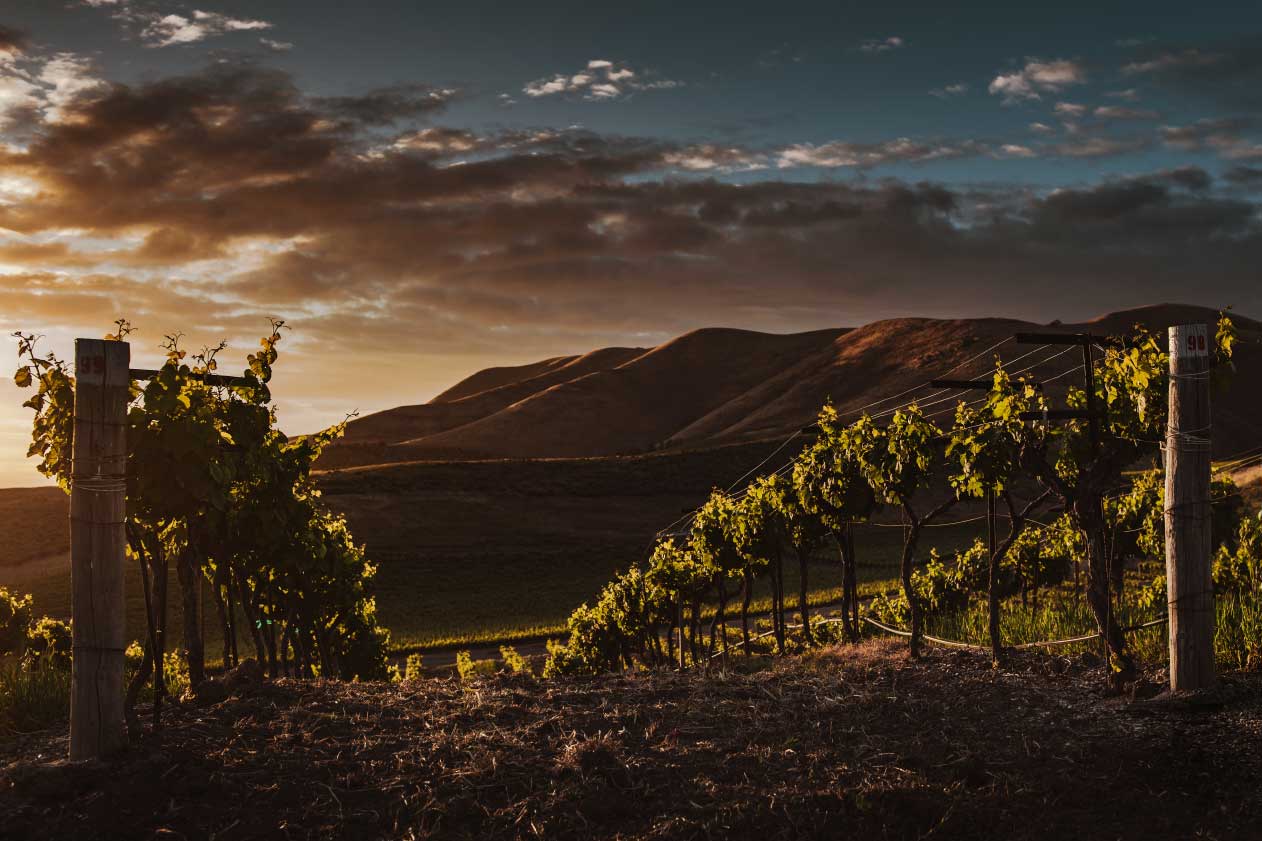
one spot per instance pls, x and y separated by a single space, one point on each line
855 741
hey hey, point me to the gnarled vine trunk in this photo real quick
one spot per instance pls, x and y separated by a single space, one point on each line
188 572
913 603
747 595
1121 667
803 605
850 584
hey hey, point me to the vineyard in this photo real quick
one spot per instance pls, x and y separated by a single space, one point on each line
1008 445
1063 591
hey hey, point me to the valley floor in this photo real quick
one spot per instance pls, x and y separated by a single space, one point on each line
848 742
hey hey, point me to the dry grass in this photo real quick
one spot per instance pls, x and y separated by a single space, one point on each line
850 742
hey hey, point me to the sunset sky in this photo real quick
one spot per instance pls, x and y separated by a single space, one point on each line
425 189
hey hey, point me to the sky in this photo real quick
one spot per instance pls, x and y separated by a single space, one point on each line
422 190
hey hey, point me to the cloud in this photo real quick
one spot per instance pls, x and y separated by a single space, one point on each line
1229 71
1187 177
1101 147
13 42
1244 176
1069 109
861 155
601 79
1041 128
157 28
1244 152
384 106
171 29
1036 78
276 46
1128 95
882 45
709 157
958 89
35 87
1172 63
1016 150
1223 135
1120 112
439 141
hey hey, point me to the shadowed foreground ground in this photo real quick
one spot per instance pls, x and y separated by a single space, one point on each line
851 742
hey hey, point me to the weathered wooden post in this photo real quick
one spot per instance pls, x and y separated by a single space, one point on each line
97 539
1187 511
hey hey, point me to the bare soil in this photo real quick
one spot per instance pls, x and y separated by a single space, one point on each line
851 742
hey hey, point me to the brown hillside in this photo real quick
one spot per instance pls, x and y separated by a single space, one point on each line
638 405
501 375
539 374
715 386
455 407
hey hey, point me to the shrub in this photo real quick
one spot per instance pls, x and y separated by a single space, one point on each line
515 662
464 665
412 670
1238 584
48 645
362 647
618 629
468 668
15 621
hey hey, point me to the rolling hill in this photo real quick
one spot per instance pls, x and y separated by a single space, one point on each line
718 386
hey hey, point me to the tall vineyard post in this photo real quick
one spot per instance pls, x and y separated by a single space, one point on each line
97 540
1187 511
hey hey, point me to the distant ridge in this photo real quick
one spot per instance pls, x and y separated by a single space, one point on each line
720 385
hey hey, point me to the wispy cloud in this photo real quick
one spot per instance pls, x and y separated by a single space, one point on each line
1036 78
1217 133
1069 109
958 89
900 150
1128 95
882 45
1016 150
600 80
1171 61
1100 147
172 29
1121 112
276 46
710 157
158 27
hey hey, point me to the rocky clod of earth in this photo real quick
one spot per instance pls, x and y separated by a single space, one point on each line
848 742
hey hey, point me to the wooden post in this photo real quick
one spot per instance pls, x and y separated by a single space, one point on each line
97 540
1187 511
